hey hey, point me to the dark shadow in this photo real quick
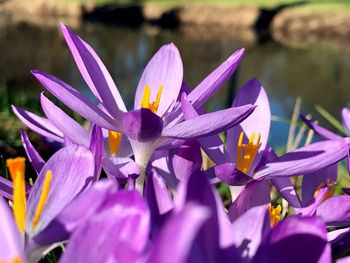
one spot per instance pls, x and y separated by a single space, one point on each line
169 19
128 16
265 17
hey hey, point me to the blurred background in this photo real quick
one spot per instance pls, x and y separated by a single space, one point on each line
295 48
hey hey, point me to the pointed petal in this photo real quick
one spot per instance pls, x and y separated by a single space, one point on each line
335 211
6 188
210 85
121 168
96 147
76 101
164 69
73 170
33 156
125 217
186 159
324 133
295 239
214 81
313 180
345 117
10 239
178 235
77 212
212 145
286 189
254 194
208 124
250 229
258 122
70 128
307 159
229 174
94 73
38 124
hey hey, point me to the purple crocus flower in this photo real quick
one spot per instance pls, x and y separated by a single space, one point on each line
68 172
153 118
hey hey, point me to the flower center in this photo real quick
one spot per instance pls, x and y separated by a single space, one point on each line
43 198
114 140
330 189
145 103
275 214
16 168
246 152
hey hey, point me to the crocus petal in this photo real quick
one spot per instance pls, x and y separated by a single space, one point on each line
6 188
76 101
96 147
38 124
33 156
335 211
345 117
125 217
254 194
249 230
258 122
295 239
346 191
77 212
212 145
186 159
121 168
164 69
72 168
210 85
178 234
339 235
10 240
343 260
94 73
70 128
208 124
159 201
313 180
324 133
310 208
286 189
307 159
229 174
142 125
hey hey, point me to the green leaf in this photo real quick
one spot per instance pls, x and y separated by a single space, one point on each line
331 119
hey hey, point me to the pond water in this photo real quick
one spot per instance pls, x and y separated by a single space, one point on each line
320 75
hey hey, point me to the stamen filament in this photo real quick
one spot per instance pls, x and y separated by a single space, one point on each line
114 141
43 198
16 168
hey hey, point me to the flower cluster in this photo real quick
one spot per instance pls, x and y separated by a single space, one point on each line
156 201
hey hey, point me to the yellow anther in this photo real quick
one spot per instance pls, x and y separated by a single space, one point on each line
43 198
275 214
329 192
114 140
16 168
145 103
246 152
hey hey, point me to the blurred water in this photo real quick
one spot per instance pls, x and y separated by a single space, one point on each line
320 75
